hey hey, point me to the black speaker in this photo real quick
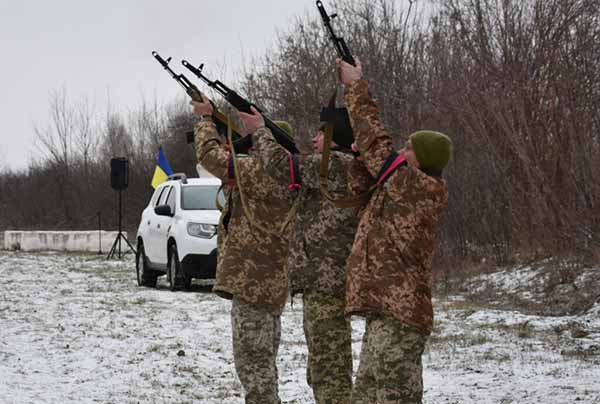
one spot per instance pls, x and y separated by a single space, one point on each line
119 173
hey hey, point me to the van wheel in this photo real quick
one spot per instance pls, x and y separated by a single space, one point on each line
177 280
145 276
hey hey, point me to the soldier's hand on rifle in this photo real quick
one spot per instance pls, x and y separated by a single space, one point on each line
252 121
347 73
319 140
354 148
202 108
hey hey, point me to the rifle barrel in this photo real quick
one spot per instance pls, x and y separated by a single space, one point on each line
243 105
339 43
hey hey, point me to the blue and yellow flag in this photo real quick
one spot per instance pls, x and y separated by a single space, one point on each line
163 169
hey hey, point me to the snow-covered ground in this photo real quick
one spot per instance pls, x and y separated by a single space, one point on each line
76 329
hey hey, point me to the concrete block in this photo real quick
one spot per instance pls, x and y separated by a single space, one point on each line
61 240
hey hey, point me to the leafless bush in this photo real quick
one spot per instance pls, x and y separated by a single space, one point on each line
69 184
515 84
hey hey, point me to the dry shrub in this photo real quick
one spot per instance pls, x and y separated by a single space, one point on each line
514 83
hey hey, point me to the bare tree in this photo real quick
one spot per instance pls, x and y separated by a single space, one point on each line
516 84
56 142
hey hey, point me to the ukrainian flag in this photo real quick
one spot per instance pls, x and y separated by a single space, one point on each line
163 169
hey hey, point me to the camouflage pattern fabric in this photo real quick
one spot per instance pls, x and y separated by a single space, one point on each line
359 183
389 269
390 369
251 264
320 242
329 339
321 235
256 334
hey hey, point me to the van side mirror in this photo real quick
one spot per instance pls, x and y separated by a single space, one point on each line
163 210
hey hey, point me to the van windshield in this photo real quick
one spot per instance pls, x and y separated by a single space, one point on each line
200 197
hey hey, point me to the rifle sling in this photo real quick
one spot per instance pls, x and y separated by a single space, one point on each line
291 214
217 201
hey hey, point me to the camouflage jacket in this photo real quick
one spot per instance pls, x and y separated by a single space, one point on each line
389 269
321 235
251 263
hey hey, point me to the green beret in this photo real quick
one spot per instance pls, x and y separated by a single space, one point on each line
286 127
432 149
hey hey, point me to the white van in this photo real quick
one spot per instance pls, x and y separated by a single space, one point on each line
177 235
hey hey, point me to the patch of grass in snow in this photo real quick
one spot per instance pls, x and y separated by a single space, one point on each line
556 372
477 339
155 348
183 386
495 356
460 341
175 346
525 330
186 369
224 392
139 300
111 273
134 361
467 306
521 330
582 353
436 339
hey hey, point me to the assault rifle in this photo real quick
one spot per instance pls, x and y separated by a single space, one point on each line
243 105
241 143
337 122
337 118
339 43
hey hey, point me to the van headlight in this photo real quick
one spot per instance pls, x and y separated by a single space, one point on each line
201 230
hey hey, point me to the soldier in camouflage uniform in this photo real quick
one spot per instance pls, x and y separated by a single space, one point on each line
389 269
251 263
320 241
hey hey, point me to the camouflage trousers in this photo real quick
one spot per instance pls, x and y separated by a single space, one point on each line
390 369
329 339
256 333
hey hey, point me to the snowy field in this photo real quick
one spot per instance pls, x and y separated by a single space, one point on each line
77 329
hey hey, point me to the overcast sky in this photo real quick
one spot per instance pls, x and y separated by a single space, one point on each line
97 47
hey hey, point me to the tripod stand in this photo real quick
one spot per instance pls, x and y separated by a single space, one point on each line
120 235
